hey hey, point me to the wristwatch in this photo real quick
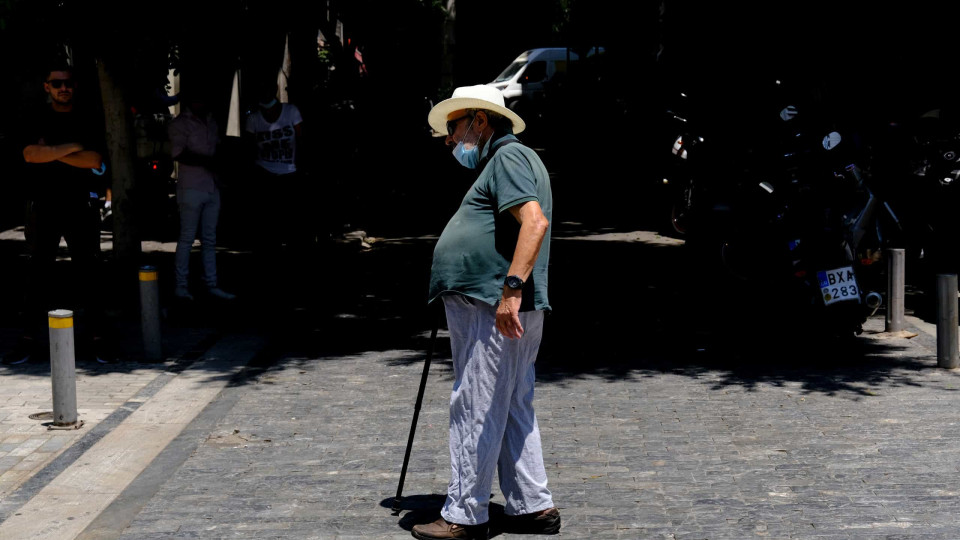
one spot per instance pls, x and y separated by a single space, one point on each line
513 282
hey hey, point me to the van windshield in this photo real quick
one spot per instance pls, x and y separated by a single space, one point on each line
511 70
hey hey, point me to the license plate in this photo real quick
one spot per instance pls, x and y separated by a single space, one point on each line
838 285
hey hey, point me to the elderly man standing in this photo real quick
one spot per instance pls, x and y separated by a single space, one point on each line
490 271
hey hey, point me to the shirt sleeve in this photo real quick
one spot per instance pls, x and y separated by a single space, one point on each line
295 117
514 182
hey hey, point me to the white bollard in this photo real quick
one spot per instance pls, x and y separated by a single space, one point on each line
150 313
63 368
948 349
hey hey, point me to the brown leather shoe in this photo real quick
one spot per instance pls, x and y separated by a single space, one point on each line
542 522
441 529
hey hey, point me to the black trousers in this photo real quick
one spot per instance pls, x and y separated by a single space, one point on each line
47 222
289 216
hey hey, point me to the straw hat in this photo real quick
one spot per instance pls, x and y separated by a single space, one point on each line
480 96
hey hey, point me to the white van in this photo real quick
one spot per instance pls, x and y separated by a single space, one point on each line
526 77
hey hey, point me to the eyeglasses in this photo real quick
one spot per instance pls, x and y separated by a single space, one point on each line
57 83
452 124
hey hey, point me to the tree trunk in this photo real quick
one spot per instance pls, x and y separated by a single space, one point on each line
447 76
120 156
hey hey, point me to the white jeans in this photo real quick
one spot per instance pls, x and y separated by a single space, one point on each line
198 210
492 422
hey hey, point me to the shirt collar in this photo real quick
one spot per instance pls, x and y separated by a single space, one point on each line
485 151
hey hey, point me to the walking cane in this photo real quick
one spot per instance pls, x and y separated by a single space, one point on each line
416 412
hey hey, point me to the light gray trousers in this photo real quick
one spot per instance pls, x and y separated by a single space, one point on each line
198 210
493 427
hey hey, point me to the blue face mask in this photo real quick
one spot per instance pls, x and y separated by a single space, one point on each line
468 157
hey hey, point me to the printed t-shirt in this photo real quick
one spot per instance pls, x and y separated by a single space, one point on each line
276 141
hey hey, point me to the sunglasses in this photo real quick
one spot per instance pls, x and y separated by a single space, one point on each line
57 83
452 124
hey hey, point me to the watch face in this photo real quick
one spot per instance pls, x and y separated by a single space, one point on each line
514 282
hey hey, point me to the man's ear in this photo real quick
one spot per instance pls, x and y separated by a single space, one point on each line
481 120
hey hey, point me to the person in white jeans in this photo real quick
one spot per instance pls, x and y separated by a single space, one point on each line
194 140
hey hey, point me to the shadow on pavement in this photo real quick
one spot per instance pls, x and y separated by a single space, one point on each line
628 303
426 509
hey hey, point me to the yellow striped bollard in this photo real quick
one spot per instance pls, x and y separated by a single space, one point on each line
150 313
63 371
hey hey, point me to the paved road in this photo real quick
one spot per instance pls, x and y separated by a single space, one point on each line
665 414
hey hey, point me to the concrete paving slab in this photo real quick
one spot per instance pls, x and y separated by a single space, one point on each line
90 484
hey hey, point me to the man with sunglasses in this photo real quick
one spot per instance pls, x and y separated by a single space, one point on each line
490 271
61 147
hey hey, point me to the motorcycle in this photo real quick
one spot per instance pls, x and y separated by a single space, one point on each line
677 174
688 174
805 225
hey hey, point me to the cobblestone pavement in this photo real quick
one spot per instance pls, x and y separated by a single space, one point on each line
666 423
311 446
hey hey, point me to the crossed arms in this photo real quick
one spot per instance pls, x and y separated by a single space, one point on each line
70 153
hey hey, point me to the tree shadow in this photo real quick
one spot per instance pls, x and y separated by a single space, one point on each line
656 313
627 303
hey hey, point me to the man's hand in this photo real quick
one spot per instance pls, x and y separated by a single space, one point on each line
508 314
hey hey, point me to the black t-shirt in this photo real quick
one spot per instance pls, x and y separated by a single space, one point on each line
57 180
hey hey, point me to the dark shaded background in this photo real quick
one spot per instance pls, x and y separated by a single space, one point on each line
371 155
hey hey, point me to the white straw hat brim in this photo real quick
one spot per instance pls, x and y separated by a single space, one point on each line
437 118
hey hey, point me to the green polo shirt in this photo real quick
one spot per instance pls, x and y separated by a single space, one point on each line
474 251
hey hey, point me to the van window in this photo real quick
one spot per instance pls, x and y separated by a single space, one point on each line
511 70
536 72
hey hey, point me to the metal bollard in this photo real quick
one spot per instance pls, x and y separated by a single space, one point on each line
948 349
63 368
150 312
895 288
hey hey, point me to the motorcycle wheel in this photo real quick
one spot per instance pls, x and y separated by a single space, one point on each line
681 207
678 218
